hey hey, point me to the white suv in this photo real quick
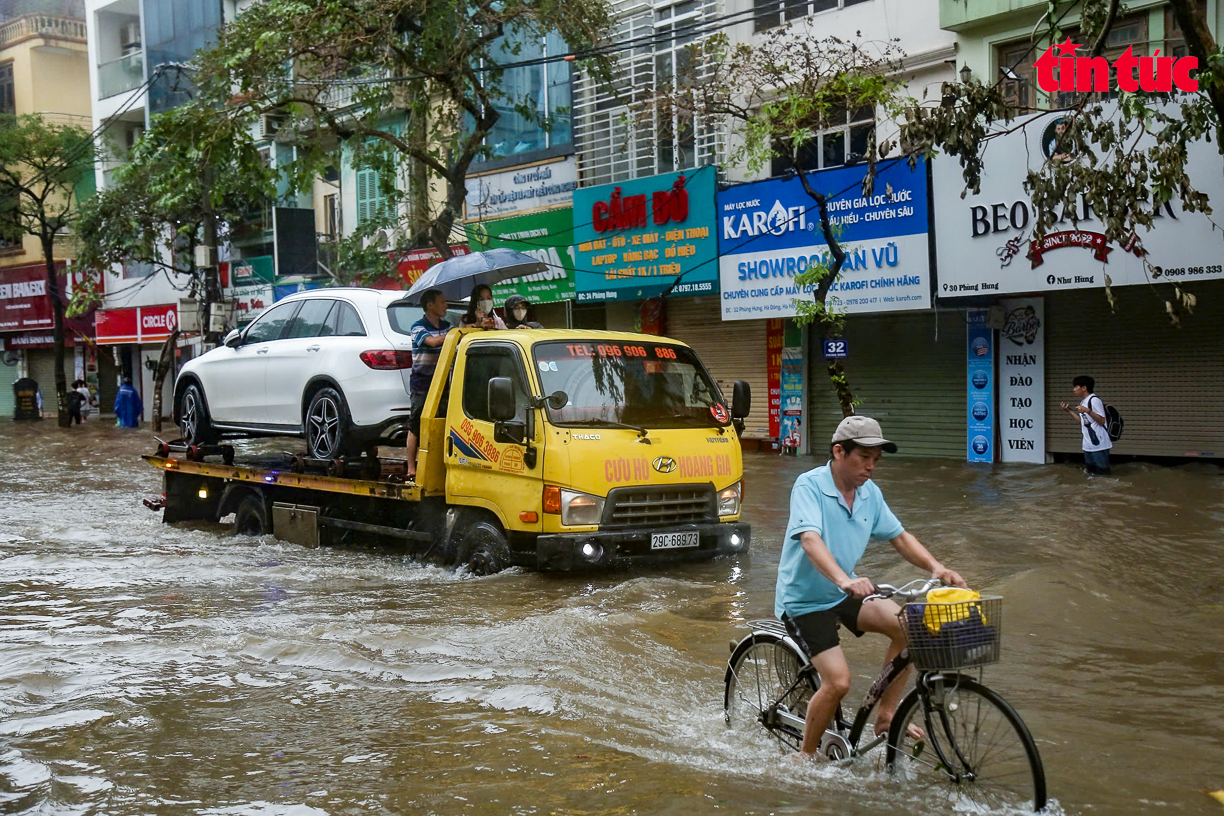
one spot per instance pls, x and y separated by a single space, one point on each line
330 365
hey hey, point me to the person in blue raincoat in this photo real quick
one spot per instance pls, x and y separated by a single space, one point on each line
128 407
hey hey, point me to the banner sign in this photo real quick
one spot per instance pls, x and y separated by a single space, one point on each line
250 301
774 336
523 188
1022 381
409 266
985 242
35 340
546 236
980 402
634 238
792 397
24 302
253 271
769 232
139 324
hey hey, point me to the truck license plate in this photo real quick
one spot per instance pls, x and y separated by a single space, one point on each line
671 541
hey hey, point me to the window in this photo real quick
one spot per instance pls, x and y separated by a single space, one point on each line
544 90
370 201
1130 32
311 319
8 98
483 364
344 322
846 140
773 13
1175 38
271 323
1018 83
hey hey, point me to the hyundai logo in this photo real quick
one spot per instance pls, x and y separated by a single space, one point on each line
664 464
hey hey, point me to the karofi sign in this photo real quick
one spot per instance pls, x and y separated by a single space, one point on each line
985 242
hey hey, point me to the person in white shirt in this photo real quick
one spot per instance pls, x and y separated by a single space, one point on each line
1090 414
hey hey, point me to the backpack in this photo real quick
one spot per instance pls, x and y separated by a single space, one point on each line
1113 420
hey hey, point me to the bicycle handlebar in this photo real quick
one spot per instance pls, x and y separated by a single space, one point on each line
904 593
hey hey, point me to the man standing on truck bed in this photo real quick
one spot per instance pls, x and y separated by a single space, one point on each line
428 334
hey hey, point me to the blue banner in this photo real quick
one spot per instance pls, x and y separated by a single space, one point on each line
634 238
769 231
981 388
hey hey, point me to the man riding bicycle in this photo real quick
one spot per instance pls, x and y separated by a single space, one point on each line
835 511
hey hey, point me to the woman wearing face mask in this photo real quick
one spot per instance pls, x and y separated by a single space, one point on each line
480 309
516 313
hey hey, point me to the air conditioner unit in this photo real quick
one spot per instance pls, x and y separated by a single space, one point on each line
270 124
384 240
129 35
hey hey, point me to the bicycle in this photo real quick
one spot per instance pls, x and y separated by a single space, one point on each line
974 745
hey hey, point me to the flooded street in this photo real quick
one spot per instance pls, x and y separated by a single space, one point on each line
150 669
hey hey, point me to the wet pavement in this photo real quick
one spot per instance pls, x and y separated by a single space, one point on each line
149 669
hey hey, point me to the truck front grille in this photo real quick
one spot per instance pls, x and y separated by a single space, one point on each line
659 506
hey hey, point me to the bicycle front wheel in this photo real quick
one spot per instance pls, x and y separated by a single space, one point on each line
975 748
764 672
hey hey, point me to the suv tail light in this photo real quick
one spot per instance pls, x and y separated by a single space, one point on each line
387 359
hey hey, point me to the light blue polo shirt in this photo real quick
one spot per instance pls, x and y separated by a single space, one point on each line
817 505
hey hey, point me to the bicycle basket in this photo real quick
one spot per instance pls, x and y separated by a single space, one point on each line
953 635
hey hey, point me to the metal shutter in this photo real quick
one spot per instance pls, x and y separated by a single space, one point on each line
909 371
731 350
1166 382
42 370
8 376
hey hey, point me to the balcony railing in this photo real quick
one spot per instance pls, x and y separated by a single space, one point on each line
120 75
42 25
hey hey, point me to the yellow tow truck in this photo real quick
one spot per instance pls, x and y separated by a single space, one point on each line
550 449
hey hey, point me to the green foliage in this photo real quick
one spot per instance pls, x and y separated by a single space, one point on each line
183 171
403 87
41 164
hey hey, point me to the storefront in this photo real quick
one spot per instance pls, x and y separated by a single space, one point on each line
768 234
1164 380
134 338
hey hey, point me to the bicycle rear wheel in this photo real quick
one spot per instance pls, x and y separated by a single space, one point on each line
764 671
976 748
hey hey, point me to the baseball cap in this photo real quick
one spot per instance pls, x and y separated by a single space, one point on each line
864 431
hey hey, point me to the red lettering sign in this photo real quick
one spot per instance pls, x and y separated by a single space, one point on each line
628 212
1155 73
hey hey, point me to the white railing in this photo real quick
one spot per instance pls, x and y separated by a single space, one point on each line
44 25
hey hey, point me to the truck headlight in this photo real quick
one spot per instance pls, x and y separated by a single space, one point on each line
729 500
580 508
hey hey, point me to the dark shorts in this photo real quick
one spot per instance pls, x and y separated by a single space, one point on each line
414 416
816 632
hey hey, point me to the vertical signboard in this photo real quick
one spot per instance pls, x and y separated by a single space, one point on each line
774 335
980 402
792 387
636 237
1022 381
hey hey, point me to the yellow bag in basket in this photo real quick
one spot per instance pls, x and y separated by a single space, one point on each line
940 608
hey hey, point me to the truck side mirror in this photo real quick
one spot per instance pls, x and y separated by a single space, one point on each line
234 338
501 399
741 399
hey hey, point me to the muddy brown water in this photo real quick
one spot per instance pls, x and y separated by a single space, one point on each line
149 669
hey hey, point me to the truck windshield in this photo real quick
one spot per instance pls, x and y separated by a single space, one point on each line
646 384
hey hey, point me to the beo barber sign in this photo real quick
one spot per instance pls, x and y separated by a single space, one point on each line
985 243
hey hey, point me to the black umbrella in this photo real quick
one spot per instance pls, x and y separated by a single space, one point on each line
456 276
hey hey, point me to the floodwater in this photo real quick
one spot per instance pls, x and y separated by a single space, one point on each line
149 669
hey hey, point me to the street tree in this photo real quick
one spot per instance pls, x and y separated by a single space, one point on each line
41 164
186 180
1123 153
777 95
407 90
